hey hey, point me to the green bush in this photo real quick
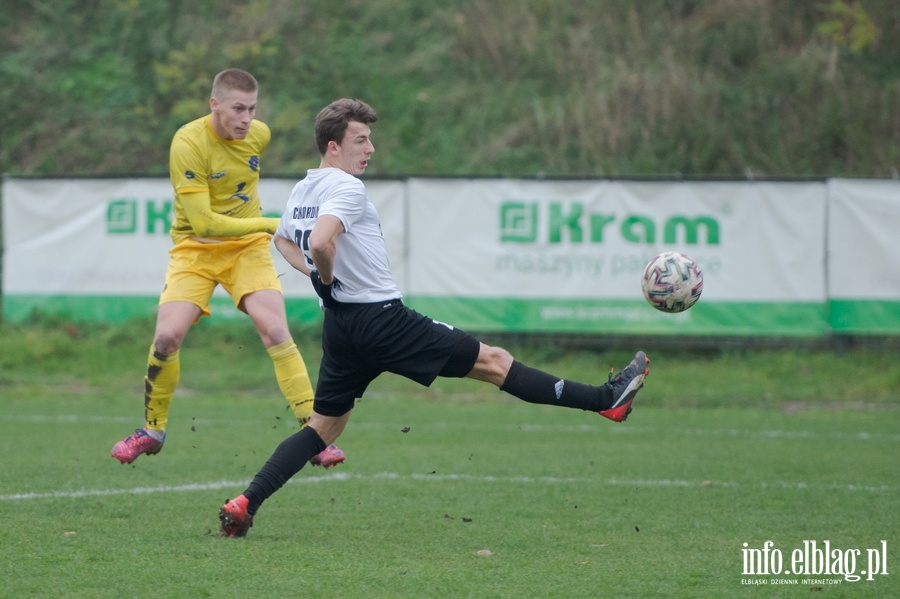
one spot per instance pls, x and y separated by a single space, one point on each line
468 87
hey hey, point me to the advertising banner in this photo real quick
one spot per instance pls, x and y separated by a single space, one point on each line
794 259
97 249
566 256
864 256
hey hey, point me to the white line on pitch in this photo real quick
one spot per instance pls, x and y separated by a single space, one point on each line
544 480
523 427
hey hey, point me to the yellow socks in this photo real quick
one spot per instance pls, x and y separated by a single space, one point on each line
163 373
159 387
293 379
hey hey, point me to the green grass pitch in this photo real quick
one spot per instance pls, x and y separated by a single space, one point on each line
480 497
453 491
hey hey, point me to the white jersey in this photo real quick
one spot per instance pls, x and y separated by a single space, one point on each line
361 261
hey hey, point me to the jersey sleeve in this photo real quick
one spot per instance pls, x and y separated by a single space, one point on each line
207 223
346 201
187 165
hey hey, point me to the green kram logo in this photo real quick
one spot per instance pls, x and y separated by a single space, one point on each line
121 216
124 216
521 222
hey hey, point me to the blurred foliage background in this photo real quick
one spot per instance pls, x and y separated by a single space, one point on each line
466 87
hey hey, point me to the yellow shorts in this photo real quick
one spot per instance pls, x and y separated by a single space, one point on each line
241 265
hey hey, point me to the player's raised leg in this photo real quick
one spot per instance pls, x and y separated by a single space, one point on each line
612 399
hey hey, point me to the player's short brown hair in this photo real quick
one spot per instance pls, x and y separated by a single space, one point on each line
231 80
331 122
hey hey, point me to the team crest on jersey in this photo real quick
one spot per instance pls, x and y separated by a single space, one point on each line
189 174
254 163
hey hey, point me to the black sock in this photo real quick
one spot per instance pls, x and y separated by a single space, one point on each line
536 386
288 459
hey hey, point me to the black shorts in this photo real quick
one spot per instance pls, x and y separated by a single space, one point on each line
360 341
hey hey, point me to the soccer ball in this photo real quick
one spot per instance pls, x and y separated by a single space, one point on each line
672 282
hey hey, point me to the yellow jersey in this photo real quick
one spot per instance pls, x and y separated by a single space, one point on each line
228 170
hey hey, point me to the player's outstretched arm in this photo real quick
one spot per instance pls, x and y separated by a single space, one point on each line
207 223
292 253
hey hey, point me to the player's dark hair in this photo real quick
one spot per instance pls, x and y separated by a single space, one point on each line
331 122
233 79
